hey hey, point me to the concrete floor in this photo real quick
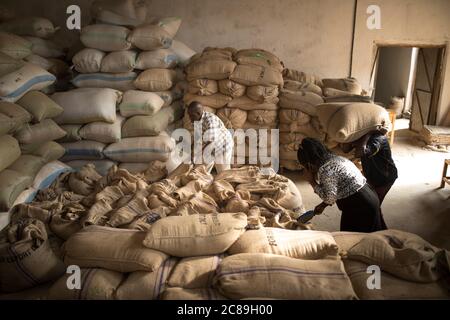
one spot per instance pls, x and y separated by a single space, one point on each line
414 203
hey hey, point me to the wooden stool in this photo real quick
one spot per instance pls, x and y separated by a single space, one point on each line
445 178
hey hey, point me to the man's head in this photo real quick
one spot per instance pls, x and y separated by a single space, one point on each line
195 111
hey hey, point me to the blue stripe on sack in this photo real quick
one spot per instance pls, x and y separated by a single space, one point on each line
134 151
27 85
98 76
82 152
287 270
31 197
52 177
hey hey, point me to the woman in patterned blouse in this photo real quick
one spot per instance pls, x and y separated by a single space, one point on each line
337 180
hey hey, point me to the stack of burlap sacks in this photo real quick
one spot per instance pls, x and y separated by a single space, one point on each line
203 255
240 87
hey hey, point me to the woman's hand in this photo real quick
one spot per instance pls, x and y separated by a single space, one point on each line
320 208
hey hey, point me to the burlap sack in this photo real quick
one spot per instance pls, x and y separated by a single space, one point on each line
273 276
290 198
306 130
103 131
102 166
10 151
265 57
262 117
232 118
96 284
136 207
119 81
182 51
50 151
245 103
195 272
65 224
168 96
115 249
305 101
83 150
39 292
143 285
392 288
292 165
347 122
16 114
288 151
42 62
26 259
105 37
263 94
45 48
304 244
40 106
203 87
84 180
135 102
292 85
8 125
155 80
14 46
403 255
215 101
231 88
119 61
300 76
46 130
87 105
72 134
210 69
253 75
150 37
350 85
88 60
28 165
160 58
192 294
8 64
348 98
197 235
346 240
119 12
30 26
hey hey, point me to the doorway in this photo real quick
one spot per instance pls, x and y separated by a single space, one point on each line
409 79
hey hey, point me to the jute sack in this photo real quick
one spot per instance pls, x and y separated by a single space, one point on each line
182 51
346 240
119 81
348 98
252 75
262 117
288 151
196 235
291 198
84 180
105 37
45 48
155 80
245 103
144 285
119 61
331 92
14 46
7 124
350 85
88 60
135 102
292 137
35 293
215 101
232 118
30 26
305 101
304 244
259 59
134 167
7 63
210 69
115 249
347 122
392 288
83 150
300 76
72 132
42 62
203 87
295 118
263 94
141 149
13 183
159 58
49 150
150 37
102 131
40 106
102 166
87 105
231 88
30 77
169 96
125 10
292 85
195 272
65 224
292 165
48 174
10 151
403 255
96 284
272 276
169 24
192 294
28 165
141 126
16 114
307 130
46 130
255 52
26 258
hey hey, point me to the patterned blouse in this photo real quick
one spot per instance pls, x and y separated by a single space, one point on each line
337 179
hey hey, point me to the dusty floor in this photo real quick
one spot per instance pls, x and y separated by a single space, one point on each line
414 204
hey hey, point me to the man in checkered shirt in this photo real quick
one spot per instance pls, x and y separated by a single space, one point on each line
215 136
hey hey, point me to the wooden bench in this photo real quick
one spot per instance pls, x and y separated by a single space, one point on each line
445 178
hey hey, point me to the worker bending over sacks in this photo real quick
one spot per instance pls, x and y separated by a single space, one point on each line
215 138
337 180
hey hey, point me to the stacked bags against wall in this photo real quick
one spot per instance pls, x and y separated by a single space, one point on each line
240 87
29 39
344 90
